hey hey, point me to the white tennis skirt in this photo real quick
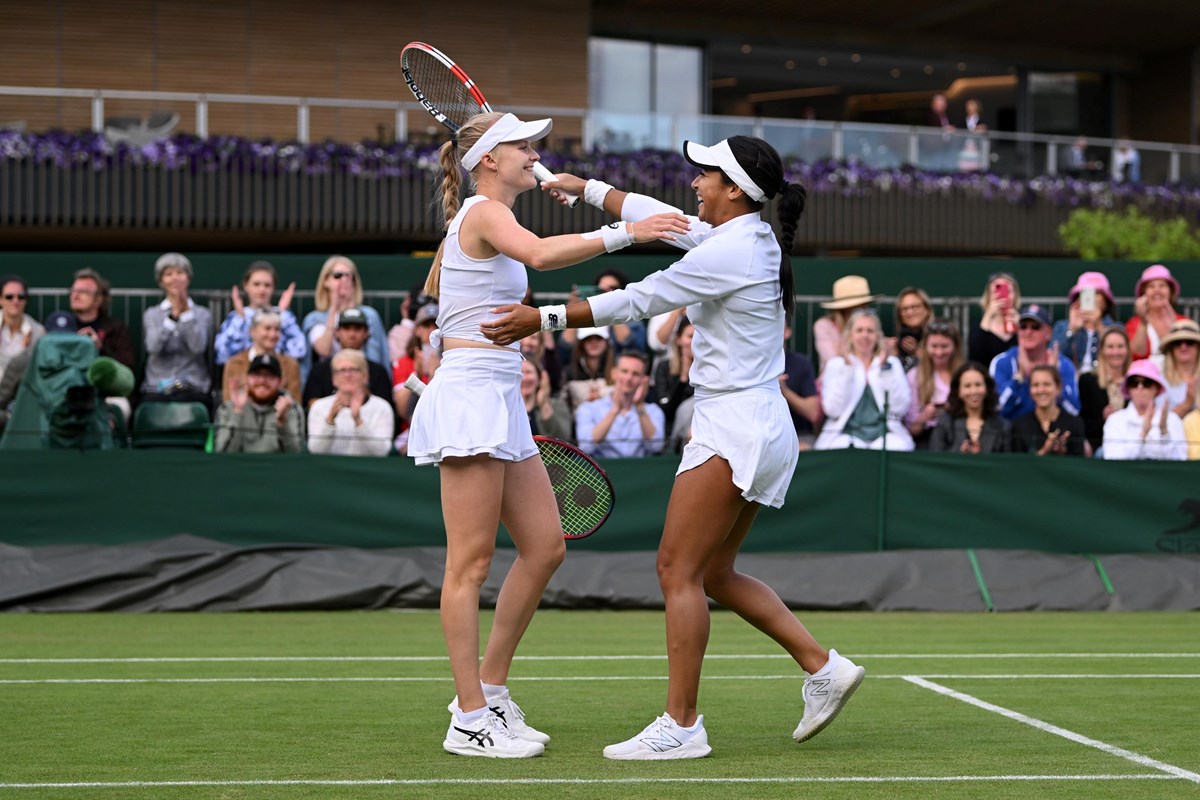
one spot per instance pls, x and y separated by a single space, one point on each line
753 431
472 407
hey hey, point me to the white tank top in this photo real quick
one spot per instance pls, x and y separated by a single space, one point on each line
472 286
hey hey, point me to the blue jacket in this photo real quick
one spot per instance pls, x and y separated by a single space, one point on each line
1015 400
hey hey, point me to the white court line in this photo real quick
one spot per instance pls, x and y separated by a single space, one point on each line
594 781
1120 752
709 657
559 678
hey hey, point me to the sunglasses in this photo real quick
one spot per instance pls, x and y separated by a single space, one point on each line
941 328
1029 325
337 276
1141 383
16 296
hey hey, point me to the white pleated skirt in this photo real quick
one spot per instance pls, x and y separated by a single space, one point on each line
753 431
472 407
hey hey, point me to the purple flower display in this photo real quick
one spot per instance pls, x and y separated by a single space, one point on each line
649 170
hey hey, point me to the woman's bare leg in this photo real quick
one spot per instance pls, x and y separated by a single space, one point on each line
705 504
531 516
757 603
472 490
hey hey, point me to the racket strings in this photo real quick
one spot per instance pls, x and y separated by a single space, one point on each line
442 88
583 495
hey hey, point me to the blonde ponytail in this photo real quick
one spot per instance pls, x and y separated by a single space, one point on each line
451 186
449 161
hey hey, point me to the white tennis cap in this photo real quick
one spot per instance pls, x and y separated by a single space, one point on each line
506 129
721 156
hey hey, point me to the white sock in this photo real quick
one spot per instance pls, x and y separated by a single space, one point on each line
470 717
833 657
491 690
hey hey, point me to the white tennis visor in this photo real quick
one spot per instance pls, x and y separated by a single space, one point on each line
506 129
720 156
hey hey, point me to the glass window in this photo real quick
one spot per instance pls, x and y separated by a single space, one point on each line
637 88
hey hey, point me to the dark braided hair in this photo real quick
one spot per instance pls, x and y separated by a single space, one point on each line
764 166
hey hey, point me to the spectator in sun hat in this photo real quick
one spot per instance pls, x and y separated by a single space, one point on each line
1012 368
850 293
352 331
176 333
1143 429
1178 362
260 417
1078 336
1154 311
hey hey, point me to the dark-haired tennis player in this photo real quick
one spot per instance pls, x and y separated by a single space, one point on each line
472 422
736 282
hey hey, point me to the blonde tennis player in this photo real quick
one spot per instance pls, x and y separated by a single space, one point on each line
471 421
736 282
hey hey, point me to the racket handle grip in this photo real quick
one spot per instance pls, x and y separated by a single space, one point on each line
544 174
414 385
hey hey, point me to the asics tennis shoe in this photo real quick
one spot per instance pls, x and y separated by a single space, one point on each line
488 737
825 694
663 740
504 707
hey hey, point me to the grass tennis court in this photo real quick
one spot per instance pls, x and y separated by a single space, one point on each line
352 705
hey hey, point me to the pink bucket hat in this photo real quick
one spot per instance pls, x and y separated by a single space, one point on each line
1094 280
1156 272
1145 368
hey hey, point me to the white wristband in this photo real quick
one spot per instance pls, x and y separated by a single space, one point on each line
554 318
616 235
594 192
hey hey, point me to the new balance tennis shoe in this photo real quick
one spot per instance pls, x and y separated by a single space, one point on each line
663 740
488 737
504 707
826 693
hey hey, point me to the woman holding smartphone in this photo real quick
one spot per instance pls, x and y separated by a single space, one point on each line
1078 336
994 334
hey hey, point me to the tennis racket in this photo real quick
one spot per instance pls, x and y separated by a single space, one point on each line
582 489
449 94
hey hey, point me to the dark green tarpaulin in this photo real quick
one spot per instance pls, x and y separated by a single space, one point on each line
929 500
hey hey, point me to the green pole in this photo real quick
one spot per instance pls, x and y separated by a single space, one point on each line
983 590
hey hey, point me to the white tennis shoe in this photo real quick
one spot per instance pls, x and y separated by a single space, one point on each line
663 740
825 693
489 738
504 707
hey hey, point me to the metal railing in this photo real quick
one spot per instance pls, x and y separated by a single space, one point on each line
1019 154
128 305
272 204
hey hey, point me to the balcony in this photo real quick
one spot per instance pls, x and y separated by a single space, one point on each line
873 188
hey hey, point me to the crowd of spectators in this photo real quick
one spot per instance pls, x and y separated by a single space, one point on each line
1017 381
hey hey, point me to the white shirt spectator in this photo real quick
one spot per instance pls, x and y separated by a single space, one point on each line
344 438
1123 437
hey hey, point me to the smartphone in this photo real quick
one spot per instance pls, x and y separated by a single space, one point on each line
1004 300
587 290
1087 298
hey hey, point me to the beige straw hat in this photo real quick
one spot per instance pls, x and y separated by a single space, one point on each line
850 291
